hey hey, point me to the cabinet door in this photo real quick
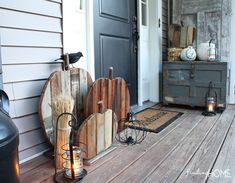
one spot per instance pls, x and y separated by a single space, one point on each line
211 18
176 83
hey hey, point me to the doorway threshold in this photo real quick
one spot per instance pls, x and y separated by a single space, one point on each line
147 104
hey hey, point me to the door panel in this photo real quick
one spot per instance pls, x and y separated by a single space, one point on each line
113 41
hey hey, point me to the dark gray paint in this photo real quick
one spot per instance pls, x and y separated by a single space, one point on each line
207 16
113 40
187 82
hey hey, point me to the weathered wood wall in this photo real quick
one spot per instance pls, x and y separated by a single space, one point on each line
31 38
164 29
209 17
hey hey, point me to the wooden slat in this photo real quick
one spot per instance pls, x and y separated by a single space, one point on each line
225 162
32 164
130 155
74 82
29 21
168 171
205 156
44 171
115 95
149 160
99 128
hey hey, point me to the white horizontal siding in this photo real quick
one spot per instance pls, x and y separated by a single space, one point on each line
17 73
30 21
23 107
16 37
41 7
24 90
31 138
31 38
23 124
38 55
32 152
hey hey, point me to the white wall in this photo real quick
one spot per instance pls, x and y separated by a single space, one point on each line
150 54
232 56
155 48
74 29
31 38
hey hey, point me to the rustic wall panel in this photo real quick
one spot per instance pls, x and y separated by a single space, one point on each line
210 17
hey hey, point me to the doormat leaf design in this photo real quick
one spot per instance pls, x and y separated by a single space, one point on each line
155 120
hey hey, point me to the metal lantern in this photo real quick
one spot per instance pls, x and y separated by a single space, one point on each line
72 167
211 102
133 132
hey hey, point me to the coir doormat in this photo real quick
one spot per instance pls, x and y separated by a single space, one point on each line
155 120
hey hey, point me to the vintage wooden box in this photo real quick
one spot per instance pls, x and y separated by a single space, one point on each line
187 82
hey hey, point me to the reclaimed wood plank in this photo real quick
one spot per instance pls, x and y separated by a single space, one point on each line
99 128
75 83
203 160
114 94
46 170
168 172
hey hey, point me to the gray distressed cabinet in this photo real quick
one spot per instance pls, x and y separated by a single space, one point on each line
187 82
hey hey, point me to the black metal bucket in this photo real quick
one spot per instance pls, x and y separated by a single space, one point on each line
9 141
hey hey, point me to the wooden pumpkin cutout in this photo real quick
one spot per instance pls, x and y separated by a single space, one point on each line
113 92
97 132
74 82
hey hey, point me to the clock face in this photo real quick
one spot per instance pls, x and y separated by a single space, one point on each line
190 53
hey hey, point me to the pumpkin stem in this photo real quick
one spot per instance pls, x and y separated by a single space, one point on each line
110 72
100 104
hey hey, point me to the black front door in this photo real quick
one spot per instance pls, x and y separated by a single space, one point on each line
114 30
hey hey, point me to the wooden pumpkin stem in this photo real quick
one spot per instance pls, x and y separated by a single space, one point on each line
100 104
110 72
66 62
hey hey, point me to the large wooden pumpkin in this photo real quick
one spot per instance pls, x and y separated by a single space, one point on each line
75 82
115 95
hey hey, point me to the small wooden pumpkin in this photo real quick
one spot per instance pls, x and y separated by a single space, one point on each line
97 132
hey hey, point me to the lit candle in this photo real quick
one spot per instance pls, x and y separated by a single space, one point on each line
210 107
77 164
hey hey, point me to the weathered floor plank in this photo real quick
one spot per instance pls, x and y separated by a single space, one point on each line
191 142
203 159
169 171
159 152
127 157
224 168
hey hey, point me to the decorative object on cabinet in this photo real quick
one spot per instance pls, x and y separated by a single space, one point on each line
188 54
187 82
174 54
206 51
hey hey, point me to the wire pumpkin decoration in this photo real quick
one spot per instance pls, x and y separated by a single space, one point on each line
133 132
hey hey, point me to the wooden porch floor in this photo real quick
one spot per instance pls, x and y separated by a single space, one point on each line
193 148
